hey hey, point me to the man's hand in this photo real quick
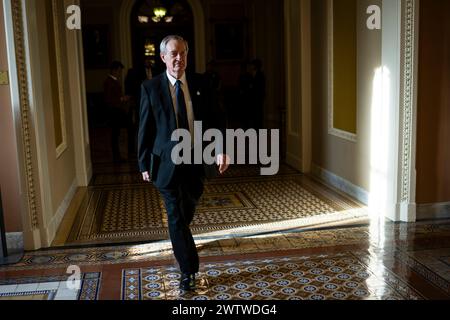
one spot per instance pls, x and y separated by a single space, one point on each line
223 161
146 176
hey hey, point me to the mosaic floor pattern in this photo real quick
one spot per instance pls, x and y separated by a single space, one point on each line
162 250
127 173
324 277
136 212
377 262
265 257
398 238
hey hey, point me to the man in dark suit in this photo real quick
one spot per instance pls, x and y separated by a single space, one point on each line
147 70
170 101
133 82
115 102
257 94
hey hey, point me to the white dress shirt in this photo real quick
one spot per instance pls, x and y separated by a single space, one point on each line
187 98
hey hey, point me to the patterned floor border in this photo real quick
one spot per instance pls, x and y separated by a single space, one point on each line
424 271
334 209
52 287
131 175
349 216
162 250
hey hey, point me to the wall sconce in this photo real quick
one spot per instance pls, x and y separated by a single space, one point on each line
143 19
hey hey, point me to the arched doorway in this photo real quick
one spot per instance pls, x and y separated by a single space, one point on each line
198 51
151 21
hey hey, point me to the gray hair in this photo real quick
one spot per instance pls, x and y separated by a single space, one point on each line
166 40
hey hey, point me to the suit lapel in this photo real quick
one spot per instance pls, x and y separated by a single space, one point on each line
193 90
166 98
192 85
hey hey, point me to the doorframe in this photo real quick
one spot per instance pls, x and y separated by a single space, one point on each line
29 124
298 123
400 50
199 33
400 56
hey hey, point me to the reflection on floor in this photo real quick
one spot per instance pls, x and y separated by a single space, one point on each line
391 261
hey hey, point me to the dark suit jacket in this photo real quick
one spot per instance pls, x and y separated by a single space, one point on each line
158 121
112 92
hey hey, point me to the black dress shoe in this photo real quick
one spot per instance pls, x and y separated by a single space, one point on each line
187 282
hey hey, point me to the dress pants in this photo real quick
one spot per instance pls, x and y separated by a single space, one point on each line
181 197
120 119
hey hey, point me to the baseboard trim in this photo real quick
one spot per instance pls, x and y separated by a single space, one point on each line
294 161
58 217
433 211
341 184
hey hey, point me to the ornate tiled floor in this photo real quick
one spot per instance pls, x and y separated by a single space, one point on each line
119 208
51 288
340 276
392 261
280 238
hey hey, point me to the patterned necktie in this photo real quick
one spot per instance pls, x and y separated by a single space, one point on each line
181 107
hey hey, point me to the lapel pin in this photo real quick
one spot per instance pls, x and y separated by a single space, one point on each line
198 93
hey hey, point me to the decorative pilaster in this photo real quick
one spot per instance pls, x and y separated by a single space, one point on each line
408 98
22 75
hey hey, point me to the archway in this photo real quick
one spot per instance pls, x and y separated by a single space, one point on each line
199 33
148 30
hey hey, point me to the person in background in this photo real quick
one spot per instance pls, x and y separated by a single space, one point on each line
133 81
244 102
257 94
116 104
148 68
214 85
